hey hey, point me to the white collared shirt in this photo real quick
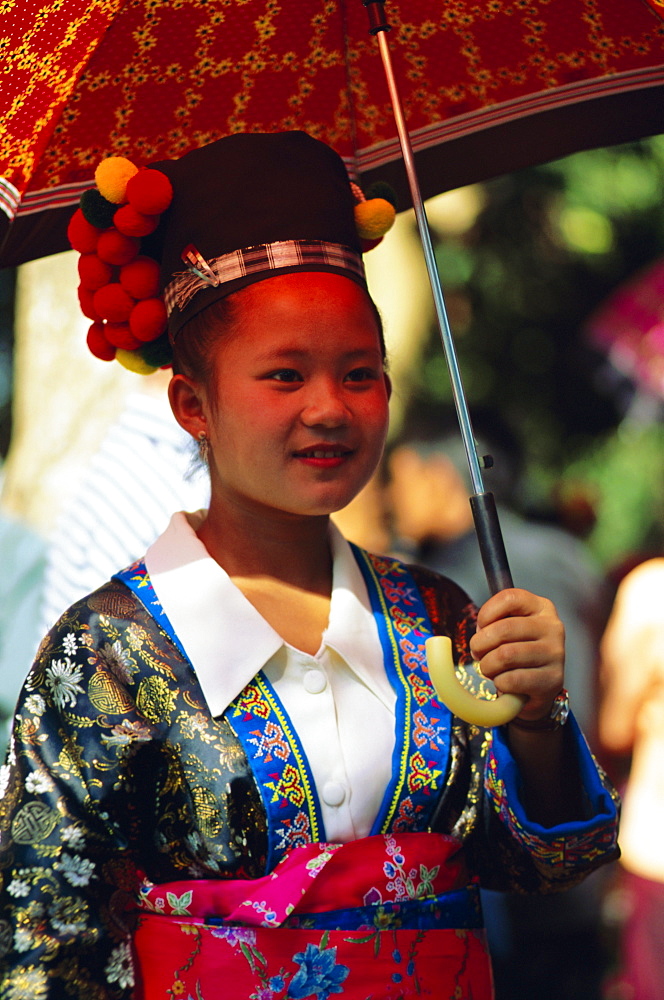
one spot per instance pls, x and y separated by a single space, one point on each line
339 700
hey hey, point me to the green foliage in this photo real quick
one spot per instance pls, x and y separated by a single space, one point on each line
549 244
626 469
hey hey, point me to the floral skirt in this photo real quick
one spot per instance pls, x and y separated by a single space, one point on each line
377 918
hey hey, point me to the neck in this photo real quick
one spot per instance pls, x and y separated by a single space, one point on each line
291 549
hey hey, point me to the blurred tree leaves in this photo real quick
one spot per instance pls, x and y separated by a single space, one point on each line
547 246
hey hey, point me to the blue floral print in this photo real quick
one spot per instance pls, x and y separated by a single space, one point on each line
319 974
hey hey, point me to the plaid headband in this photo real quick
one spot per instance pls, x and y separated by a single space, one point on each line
263 260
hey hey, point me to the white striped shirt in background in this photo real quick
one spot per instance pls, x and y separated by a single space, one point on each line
144 471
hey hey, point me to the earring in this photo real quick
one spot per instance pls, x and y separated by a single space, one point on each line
203 447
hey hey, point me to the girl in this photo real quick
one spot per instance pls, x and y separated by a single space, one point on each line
229 774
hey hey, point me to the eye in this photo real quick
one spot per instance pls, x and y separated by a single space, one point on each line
284 375
362 375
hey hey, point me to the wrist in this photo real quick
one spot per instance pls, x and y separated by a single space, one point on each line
556 718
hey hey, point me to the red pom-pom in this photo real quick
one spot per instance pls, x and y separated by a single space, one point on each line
93 272
133 223
120 335
85 299
115 248
98 344
113 303
141 278
148 319
149 191
368 245
81 234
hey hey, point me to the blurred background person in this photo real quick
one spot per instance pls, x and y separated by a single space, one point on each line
23 560
144 470
631 729
428 489
542 947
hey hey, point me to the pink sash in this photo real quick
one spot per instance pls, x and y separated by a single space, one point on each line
367 919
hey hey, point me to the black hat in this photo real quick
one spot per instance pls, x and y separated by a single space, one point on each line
221 217
251 205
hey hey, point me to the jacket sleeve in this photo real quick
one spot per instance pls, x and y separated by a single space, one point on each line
481 802
67 876
515 853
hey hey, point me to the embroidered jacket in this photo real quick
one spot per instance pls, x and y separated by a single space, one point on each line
117 773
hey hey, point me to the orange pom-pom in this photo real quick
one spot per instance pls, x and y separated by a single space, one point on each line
115 248
93 272
141 278
120 335
98 344
81 234
113 303
85 300
112 176
149 191
373 218
132 223
148 319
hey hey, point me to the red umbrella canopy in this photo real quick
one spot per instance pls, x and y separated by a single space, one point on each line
487 87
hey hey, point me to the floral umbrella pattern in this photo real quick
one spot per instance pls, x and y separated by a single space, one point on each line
149 79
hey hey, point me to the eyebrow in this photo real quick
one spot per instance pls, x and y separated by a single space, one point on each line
298 353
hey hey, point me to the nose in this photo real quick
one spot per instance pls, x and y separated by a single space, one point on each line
325 405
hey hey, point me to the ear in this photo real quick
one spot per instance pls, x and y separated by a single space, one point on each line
187 403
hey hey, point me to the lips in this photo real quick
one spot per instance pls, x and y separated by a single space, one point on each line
324 455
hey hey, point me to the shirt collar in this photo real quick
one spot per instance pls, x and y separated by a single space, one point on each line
225 638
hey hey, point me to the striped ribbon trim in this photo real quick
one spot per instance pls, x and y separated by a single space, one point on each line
9 198
266 257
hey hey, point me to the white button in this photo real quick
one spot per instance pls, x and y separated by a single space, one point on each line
333 793
314 681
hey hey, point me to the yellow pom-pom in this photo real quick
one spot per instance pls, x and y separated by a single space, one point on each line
373 218
111 177
133 362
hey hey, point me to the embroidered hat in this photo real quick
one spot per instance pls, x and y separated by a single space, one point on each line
223 216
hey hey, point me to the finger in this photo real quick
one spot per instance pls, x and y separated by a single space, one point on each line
539 687
526 656
512 603
505 631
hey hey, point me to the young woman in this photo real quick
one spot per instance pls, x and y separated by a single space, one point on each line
229 774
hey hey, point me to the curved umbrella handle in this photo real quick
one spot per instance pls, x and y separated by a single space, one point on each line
461 702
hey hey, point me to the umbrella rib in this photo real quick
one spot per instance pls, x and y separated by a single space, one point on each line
349 88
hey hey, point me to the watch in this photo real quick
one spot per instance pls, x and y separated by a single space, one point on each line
556 718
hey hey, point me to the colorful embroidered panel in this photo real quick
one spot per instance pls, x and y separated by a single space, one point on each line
422 724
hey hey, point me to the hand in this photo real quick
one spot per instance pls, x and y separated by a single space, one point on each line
520 646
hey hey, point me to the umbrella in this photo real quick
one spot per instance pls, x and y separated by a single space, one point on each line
486 88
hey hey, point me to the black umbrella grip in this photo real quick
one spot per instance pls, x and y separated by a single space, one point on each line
490 538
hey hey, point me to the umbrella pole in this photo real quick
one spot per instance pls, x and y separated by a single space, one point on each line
483 506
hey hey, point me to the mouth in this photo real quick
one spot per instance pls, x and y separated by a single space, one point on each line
323 453
324 456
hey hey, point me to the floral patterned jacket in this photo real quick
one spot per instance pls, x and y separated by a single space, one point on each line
117 774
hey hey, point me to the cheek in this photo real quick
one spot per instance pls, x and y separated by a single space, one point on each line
376 414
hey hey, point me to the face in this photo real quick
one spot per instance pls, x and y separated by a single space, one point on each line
296 414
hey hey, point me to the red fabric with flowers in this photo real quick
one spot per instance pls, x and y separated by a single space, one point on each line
254 951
